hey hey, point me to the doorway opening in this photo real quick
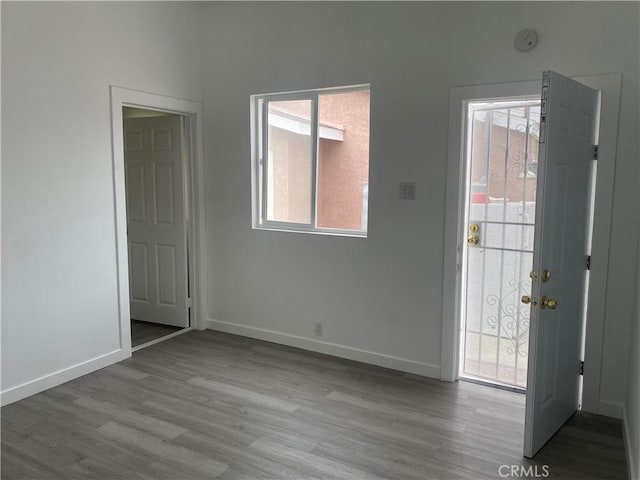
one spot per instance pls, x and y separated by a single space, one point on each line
157 157
578 130
501 160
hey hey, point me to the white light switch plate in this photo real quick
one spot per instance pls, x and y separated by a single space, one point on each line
407 191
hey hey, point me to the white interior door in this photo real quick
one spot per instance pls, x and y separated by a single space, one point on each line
156 220
568 130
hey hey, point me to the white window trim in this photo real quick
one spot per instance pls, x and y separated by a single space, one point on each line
259 126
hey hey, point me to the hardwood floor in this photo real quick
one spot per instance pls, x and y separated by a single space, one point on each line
143 332
209 405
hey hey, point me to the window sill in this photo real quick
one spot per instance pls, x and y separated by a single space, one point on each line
316 231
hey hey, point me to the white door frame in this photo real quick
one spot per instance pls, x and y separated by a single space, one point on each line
123 97
609 84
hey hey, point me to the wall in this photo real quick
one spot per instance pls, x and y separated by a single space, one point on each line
632 404
380 298
59 312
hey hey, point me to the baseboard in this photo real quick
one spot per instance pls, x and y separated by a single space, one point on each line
342 351
632 461
54 379
610 409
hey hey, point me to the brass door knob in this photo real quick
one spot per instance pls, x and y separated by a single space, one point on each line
548 303
473 239
526 299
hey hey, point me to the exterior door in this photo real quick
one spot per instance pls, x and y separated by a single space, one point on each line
502 156
568 130
156 220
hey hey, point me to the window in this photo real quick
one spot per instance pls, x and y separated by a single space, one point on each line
311 161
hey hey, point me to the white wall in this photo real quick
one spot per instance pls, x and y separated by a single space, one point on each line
59 293
632 404
383 294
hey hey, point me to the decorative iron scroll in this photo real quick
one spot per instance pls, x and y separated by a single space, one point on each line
512 320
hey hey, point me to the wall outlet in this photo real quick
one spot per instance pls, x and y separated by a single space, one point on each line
318 329
407 190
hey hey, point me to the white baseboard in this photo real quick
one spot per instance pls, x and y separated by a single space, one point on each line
610 409
342 351
632 460
54 379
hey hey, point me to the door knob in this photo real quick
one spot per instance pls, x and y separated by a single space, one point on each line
548 303
473 239
526 299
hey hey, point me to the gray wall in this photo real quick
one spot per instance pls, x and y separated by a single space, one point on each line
383 294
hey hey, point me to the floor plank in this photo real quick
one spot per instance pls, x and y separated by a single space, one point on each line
143 332
211 405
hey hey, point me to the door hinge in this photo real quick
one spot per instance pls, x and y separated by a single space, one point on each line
595 152
588 262
581 370
189 302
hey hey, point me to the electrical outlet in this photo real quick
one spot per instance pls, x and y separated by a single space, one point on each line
407 190
318 329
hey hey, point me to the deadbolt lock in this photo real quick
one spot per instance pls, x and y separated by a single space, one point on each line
473 228
546 275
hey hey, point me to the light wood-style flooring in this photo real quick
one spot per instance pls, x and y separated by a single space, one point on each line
207 405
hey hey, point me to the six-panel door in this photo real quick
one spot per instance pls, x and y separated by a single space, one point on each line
568 122
156 220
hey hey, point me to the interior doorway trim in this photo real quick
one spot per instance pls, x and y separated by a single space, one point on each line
609 84
124 97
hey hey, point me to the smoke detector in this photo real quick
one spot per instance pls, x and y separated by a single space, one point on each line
526 39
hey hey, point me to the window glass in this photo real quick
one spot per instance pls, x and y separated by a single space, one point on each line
311 161
343 159
289 161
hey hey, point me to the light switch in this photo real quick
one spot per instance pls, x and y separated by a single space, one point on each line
407 191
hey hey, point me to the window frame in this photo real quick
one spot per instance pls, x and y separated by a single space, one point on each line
259 161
